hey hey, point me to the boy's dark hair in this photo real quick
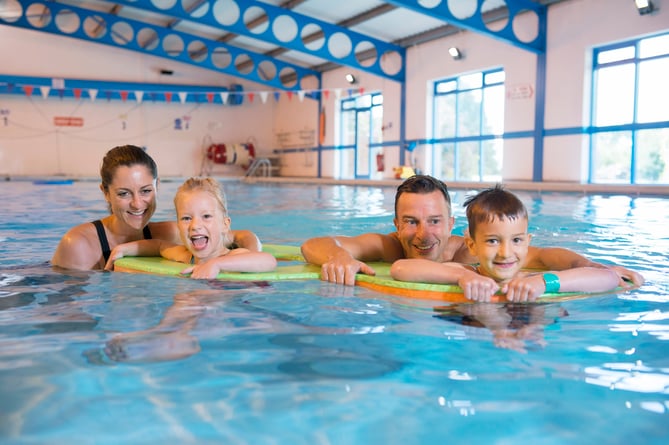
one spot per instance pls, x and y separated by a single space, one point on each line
493 203
423 184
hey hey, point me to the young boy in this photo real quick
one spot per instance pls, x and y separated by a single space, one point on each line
204 229
498 238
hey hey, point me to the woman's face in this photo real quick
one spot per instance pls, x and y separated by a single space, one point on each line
132 196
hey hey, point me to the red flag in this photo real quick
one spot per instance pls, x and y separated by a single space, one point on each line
168 97
251 97
28 90
210 97
124 95
290 95
77 93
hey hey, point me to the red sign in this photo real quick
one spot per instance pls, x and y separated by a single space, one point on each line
66 121
522 91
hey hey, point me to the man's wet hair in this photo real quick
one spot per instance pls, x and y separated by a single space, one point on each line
423 184
493 203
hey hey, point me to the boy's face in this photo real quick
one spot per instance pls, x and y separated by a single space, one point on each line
424 225
202 226
501 247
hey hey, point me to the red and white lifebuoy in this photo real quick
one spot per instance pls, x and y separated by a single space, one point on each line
231 154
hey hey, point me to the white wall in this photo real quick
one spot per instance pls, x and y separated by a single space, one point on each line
34 147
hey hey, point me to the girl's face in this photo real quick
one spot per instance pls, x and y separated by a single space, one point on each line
501 247
132 196
202 227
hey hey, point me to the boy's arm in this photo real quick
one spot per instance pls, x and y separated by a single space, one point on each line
342 257
580 279
475 287
557 258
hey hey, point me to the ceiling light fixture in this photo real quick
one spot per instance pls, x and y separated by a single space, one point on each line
644 6
350 78
455 53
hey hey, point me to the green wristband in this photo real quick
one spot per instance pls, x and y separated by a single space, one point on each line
552 282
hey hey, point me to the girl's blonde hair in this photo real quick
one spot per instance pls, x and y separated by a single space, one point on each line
208 185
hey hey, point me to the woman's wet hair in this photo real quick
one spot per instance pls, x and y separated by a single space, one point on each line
493 203
423 184
124 156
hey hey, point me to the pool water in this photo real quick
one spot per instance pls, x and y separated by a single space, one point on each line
108 358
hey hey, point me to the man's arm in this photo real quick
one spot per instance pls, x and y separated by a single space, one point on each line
341 257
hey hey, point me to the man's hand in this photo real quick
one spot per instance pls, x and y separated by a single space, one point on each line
342 268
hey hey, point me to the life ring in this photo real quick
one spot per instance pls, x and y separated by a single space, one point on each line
381 282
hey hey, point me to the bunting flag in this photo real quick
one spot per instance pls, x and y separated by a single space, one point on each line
184 96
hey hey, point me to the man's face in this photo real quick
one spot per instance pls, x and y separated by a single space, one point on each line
424 225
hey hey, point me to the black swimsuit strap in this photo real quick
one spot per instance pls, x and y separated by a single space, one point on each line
102 236
147 232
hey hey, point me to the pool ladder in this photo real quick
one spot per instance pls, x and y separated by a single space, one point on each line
259 166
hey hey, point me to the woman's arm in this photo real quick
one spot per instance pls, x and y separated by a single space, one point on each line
146 247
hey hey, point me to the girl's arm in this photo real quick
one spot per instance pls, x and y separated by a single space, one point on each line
237 260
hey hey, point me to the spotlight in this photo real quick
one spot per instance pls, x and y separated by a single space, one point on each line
455 53
644 6
350 78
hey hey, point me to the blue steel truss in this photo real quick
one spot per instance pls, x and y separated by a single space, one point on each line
108 21
476 23
304 26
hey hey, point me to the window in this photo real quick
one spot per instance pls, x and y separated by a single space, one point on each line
468 117
361 136
629 137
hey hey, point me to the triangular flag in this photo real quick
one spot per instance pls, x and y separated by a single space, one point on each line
139 95
108 94
61 93
92 93
361 91
338 93
300 94
168 97
290 95
124 95
182 97
28 89
224 96
277 96
263 96
210 97
77 93
45 91
326 94
251 97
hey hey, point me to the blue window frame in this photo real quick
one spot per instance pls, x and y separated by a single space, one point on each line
629 119
467 124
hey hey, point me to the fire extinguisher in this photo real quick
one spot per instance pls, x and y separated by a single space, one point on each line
380 162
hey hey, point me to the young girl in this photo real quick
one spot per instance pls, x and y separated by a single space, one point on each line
129 183
204 229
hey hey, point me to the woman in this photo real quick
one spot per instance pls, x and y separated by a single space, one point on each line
129 184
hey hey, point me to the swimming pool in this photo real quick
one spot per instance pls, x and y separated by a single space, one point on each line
315 363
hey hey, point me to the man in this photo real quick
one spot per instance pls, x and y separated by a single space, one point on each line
424 221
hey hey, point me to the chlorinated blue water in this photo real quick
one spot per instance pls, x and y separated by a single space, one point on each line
108 358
